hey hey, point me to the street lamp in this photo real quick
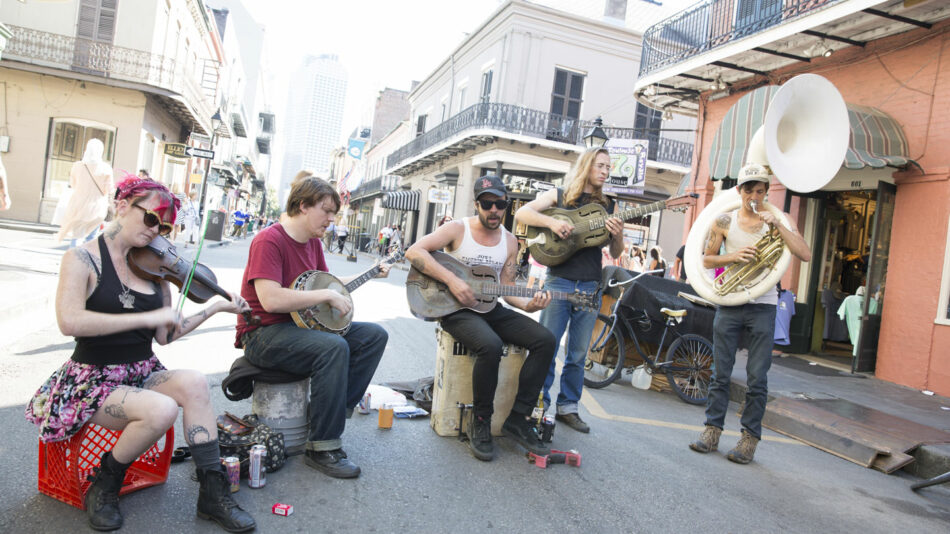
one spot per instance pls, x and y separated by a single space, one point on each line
215 124
596 136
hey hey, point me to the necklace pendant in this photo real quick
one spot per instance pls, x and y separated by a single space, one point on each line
127 300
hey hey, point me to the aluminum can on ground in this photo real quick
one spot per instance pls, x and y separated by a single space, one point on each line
257 473
364 404
232 466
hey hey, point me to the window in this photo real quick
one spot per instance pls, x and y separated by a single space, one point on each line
943 304
486 87
461 98
421 125
567 95
445 111
96 24
646 125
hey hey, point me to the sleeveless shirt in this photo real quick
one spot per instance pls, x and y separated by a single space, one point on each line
739 238
586 263
471 253
122 347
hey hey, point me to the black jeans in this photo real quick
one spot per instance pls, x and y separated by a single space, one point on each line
340 368
485 335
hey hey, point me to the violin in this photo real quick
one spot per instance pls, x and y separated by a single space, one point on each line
160 260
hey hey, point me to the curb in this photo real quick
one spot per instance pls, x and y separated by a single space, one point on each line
22 226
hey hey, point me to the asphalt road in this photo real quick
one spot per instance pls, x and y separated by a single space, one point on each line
637 473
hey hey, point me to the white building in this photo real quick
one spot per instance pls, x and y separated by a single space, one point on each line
313 119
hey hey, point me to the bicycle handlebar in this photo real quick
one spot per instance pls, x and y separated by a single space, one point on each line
615 283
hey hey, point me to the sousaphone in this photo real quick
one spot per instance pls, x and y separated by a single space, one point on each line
803 143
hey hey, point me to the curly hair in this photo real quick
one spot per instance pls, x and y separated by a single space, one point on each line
577 178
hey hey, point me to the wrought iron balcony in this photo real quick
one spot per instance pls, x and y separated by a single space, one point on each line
108 61
508 118
372 187
715 23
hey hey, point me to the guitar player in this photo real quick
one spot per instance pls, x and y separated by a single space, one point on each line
340 367
483 240
579 273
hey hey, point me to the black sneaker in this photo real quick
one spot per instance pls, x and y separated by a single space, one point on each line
479 439
574 421
525 433
332 463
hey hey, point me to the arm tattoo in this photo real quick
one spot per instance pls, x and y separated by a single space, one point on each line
509 271
723 221
157 379
89 260
197 434
113 230
116 411
419 264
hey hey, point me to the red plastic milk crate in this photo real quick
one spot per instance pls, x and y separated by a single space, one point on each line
64 465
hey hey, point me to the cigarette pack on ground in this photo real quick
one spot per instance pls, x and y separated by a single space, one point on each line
283 509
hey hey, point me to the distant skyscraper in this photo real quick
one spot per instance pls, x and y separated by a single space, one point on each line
313 119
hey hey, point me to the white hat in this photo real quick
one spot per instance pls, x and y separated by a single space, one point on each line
754 172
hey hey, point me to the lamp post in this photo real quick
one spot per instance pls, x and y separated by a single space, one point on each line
596 137
215 123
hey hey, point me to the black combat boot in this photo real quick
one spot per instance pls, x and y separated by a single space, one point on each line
215 502
102 499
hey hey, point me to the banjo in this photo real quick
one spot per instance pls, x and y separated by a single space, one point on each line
430 299
323 316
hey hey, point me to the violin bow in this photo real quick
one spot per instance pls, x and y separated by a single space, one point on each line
194 264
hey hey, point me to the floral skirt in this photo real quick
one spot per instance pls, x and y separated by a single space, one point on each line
71 396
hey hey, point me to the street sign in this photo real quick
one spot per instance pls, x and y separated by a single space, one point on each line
199 152
177 150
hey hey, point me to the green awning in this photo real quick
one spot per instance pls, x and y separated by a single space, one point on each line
877 140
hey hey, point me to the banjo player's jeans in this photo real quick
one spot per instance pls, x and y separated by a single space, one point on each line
340 368
485 335
559 316
758 323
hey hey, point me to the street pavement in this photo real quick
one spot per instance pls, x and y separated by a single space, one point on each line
637 474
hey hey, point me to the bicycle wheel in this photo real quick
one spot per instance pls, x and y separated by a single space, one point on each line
688 367
604 342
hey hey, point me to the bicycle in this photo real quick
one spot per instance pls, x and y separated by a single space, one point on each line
688 362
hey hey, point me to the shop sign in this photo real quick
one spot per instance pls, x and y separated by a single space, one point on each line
439 196
177 150
628 163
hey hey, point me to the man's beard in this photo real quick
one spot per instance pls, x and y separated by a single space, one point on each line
482 218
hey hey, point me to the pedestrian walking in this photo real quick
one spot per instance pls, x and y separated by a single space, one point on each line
341 232
4 188
90 180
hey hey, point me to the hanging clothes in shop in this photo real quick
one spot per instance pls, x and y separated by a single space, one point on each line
784 311
851 310
835 328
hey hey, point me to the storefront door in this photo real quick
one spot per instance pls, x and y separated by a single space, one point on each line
866 355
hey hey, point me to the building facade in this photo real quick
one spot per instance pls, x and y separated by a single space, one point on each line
881 224
515 99
314 118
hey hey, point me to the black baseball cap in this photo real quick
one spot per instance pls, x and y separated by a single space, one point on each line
490 184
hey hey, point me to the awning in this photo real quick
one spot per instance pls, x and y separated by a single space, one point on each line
402 200
877 140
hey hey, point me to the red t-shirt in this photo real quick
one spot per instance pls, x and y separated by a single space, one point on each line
276 256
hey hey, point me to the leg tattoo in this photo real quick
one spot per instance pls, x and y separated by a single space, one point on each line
116 411
156 379
197 434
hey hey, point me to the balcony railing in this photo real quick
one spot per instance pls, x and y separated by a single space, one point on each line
528 122
108 61
714 23
376 185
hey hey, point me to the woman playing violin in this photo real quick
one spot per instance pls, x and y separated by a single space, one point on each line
113 378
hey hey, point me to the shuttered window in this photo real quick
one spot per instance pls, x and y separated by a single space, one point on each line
567 95
97 20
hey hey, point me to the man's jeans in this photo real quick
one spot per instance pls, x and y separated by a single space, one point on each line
485 335
555 318
757 321
340 368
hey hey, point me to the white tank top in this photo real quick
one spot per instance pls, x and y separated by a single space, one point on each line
471 253
739 238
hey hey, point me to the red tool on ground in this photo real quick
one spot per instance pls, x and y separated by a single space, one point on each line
571 457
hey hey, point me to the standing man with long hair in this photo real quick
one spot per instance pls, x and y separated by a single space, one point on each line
581 272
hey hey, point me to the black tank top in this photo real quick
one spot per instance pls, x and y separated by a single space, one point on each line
587 262
123 347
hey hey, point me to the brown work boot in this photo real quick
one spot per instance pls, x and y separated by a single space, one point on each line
708 441
744 450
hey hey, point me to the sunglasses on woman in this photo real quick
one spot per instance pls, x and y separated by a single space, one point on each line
499 204
152 219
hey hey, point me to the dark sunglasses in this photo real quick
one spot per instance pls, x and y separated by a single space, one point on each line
487 204
151 219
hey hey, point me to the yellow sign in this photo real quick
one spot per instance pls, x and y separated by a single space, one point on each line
176 149
195 178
